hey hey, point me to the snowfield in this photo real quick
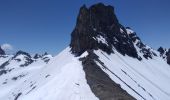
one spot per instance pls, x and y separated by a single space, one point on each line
144 80
62 79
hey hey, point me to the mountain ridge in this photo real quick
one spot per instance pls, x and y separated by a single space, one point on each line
104 61
98 28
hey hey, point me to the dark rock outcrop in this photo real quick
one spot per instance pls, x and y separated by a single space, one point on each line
165 54
147 52
4 64
99 21
161 50
168 59
22 53
36 56
100 83
27 56
45 57
168 56
45 54
2 52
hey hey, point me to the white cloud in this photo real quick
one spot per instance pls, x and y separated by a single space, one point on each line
7 47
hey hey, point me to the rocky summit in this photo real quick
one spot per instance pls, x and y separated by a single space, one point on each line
97 27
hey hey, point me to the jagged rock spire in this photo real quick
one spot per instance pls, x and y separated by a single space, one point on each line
161 50
97 27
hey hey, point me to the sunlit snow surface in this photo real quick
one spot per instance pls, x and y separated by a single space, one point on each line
101 39
62 79
150 78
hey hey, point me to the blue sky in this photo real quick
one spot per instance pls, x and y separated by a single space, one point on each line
46 25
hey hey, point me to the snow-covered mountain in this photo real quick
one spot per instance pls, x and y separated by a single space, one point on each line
15 69
104 61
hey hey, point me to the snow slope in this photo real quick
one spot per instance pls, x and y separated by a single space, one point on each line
145 80
14 73
62 79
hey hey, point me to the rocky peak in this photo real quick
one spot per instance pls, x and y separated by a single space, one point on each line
45 54
99 17
165 54
22 53
97 27
133 35
168 52
161 50
26 57
146 51
2 52
36 56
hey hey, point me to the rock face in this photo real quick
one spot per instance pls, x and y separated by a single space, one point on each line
2 52
168 56
165 54
161 50
100 83
168 59
26 56
36 56
146 51
97 27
